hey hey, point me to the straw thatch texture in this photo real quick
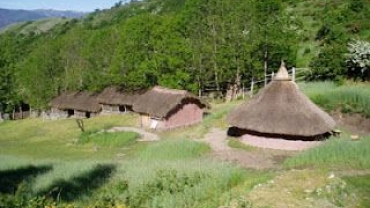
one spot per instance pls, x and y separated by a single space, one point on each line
80 101
160 102
280 108
116 96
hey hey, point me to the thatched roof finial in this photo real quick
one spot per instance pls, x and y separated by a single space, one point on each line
282 74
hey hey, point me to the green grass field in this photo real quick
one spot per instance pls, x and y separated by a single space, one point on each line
44 163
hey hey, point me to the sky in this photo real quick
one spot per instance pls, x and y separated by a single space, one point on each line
76 5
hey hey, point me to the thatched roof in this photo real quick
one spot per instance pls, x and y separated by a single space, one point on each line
159 101
81 101
116 96
281 108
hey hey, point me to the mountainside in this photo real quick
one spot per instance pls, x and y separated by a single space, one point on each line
34 27
194 44
9 16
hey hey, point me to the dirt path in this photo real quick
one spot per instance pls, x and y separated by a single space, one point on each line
145 136
355 123
256 159
277 143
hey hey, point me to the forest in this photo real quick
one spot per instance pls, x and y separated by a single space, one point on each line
185 44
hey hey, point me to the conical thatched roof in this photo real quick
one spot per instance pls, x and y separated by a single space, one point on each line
81 101
159 101
116 96
281 109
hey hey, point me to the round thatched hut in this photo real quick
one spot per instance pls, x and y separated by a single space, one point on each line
281 110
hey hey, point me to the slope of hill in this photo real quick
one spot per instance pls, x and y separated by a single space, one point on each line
194 45
34 27
9 16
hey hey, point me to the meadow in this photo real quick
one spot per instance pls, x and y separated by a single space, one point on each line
47 163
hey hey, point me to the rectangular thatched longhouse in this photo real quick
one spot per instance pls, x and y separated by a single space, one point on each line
76 104
164 109
114 100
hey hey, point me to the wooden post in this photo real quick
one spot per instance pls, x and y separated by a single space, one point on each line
199 93
252 85
293 74
243 91
272 75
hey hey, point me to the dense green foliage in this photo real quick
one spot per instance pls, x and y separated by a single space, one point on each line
341 22
181 44
193 45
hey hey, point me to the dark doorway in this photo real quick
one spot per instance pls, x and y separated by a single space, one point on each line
87 114
70 112
122 108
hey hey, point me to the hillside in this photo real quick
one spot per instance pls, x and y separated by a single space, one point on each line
48 163
34 27
194 45
10 16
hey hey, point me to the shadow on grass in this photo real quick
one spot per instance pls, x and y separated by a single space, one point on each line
85 184
11 179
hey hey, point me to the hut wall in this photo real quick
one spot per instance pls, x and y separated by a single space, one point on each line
145 120
110 108
57 113
115 109
79 114
186 115
93 115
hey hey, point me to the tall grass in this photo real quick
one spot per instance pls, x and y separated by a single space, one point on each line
174 150
185 183
347 98
361 186
339 153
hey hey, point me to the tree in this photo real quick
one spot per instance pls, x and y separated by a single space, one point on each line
358 59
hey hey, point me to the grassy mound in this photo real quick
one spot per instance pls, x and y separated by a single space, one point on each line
174 150
335 154
347 98
117 139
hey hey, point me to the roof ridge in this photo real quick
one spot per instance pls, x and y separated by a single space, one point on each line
282 74
168 90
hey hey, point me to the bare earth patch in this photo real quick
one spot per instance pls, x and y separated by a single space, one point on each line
145 136
256 159
355 123
276 143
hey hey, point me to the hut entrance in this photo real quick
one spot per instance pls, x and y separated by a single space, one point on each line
70 112
122 108
87 114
